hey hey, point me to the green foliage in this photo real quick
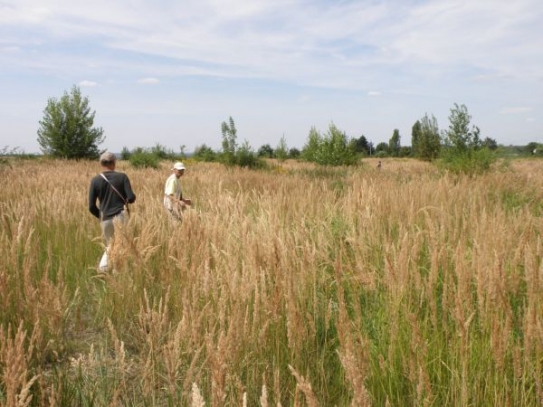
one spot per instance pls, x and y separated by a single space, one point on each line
471 162
459 136
489 143
66 130
281 151
162 152
229 142
141 158
415 137
294 153
361 145
125 153
266 151
534 149
394 145
231 155
5 154
204 153
381 149
426 142
333 148
463 152
246 157
405 151
311 149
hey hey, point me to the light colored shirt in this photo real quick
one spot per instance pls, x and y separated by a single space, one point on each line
172 187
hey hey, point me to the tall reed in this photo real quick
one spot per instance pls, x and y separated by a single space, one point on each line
297 285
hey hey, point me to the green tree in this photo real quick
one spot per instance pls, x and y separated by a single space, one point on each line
66 130
243 156
281 151
333 148
428 144
394 145
204 153
265 151
490 143
533 148
415 138
310 150
361 145
459 136
125 153
463 151
294 153
229 141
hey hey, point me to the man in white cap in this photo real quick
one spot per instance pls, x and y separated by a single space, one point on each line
173 195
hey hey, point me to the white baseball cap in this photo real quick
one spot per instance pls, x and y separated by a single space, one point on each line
178 166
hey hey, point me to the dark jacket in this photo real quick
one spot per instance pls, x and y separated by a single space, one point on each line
111 204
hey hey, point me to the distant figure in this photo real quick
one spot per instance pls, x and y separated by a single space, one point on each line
114 192
535 151
379 166
174 202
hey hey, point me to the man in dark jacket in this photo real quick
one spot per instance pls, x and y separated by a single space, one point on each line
114 192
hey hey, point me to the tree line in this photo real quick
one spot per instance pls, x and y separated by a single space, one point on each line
67 131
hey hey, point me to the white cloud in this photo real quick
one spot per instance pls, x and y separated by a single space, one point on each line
87 84
148 81
422 54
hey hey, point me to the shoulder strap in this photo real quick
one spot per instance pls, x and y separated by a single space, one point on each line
115 189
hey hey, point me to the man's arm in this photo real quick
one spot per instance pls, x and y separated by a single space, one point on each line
130 196
93 196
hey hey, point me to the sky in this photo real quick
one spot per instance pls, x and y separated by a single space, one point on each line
170 72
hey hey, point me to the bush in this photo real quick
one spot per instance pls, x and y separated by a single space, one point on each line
204 153
472 162
144 159
333 148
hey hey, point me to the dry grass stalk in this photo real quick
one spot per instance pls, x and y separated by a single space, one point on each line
197 399
15 355
305 387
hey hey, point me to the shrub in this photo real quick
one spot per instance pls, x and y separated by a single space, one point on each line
144 159
333 148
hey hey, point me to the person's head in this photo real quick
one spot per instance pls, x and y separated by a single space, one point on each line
178 169
108 160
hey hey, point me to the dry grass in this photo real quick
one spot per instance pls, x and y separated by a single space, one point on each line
294 286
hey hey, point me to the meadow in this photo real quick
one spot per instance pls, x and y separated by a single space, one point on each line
294 286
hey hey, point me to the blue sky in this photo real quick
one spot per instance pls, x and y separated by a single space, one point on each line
171 71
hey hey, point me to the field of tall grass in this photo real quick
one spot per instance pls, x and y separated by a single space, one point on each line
294 286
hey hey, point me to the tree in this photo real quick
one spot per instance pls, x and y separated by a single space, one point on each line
463 150
243 156
428 144
394 144
333 148
490 143
294 153
229 141
311 148
361 145
415 138
66 130
265 151
281 151
204 153
381 149
459 136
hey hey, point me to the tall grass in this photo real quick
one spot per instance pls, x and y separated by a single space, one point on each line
287 287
